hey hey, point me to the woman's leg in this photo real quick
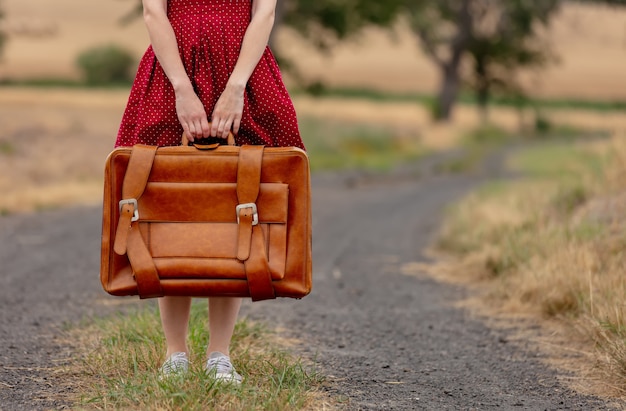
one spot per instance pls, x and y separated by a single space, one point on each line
223 312
175 320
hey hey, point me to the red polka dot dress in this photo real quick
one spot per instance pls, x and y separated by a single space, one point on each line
209 35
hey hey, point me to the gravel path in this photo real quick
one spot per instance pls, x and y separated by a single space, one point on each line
387 341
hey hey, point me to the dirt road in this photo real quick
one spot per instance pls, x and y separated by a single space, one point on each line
387 341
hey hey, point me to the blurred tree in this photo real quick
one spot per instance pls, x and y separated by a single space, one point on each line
504 40
325 21
500 36
445 29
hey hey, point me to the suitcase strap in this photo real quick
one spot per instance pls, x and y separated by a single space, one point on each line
251 241
128 239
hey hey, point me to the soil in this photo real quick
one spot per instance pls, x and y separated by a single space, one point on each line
385 340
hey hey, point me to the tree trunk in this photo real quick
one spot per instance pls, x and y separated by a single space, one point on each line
450 68
448 93
482 95
483 85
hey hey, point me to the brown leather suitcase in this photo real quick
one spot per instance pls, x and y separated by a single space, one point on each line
231 221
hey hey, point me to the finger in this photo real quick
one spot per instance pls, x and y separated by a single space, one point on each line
206 129
198 124
236 125
214 126
222 130
192 130
226 130
187 132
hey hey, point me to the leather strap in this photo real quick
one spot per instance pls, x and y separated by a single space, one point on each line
249 173
128 239
257 268
251 244
146 274
135 180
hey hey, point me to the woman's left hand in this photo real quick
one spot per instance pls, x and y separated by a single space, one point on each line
227 112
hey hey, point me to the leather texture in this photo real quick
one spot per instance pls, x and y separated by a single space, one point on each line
231 221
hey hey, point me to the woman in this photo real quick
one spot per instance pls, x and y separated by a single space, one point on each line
208 71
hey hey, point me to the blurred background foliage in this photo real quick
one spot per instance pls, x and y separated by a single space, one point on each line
499 37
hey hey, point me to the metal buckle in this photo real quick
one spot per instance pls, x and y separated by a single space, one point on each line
255 214
132 201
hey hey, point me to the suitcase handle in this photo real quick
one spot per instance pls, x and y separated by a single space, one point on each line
209 143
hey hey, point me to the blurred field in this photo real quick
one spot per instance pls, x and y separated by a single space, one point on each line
53 142
590 41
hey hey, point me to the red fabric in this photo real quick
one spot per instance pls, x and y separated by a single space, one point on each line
209 34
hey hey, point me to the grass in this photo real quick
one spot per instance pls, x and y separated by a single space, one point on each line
6 148
481 141
122 355
336 146
320 90
465 98
53 82
553 244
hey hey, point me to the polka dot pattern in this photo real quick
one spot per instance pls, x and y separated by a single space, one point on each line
209 35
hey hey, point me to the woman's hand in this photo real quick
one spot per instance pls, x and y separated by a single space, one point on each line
191 114
228 111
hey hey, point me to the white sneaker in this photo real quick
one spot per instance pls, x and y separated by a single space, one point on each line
219 367
176 365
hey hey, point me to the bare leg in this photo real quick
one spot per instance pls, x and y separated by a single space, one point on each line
223 312
175 320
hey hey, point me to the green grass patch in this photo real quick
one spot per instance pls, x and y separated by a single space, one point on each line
120 369
477 144
61 82
561 161
319 90
337 146
487 135
464 98
7 148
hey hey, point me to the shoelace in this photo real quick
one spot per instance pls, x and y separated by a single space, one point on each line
176 363
220 365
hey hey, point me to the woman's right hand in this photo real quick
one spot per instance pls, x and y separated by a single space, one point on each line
191 114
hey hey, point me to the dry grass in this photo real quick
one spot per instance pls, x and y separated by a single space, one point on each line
119 357
553 246
53 142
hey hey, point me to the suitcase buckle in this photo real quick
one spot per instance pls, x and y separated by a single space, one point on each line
255 214
132 201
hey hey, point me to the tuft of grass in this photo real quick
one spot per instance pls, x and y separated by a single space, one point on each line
560 161
120 368
339 146
487 135
553 243
7 148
